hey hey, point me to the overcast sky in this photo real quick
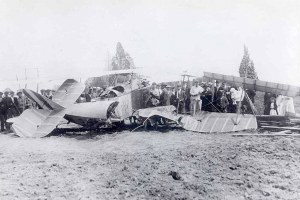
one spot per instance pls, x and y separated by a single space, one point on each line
70 38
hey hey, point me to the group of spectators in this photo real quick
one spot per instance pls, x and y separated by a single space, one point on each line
206 96
277 104
13 105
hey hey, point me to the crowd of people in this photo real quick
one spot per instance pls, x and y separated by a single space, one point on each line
206 96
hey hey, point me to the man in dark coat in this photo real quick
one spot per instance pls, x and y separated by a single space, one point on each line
8 105
163 99
2 112
207 99
15 106
267 100
173 97
218 91
187 97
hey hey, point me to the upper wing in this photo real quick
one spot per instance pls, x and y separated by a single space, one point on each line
68 92
263 86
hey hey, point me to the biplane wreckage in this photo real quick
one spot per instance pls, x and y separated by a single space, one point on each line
120 101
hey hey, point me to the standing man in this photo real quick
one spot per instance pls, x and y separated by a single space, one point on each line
154 95
207 99
7 108
195 92
188 97
239 97
2 112
173 97
218 90
181 100
224 103
21 102
267 100
15 107
163 99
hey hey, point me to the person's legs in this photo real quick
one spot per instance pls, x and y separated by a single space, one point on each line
193 107
238 104
2 121
199 102
8 116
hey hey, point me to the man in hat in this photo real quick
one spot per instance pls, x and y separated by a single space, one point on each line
196 92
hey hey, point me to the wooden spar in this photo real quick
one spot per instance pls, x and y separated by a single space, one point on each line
286 128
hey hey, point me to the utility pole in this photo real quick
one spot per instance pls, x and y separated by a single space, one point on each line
108 61
38 80
38 76
25 79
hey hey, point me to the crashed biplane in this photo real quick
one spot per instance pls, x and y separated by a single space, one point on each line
119 101
115 104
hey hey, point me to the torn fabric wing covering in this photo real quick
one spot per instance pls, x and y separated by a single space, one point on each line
206 122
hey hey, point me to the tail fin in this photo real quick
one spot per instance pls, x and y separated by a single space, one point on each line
41 122
68 93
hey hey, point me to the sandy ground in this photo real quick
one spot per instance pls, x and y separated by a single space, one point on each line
150 165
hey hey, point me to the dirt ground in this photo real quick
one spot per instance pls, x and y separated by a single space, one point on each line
150 165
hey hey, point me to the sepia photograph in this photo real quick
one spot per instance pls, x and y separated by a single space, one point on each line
150 99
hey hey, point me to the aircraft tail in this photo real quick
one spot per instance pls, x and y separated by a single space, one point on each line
41 122
37 122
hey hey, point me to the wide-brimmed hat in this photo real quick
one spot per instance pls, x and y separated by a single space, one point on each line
7 90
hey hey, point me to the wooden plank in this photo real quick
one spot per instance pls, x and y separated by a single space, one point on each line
265 135
284 132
